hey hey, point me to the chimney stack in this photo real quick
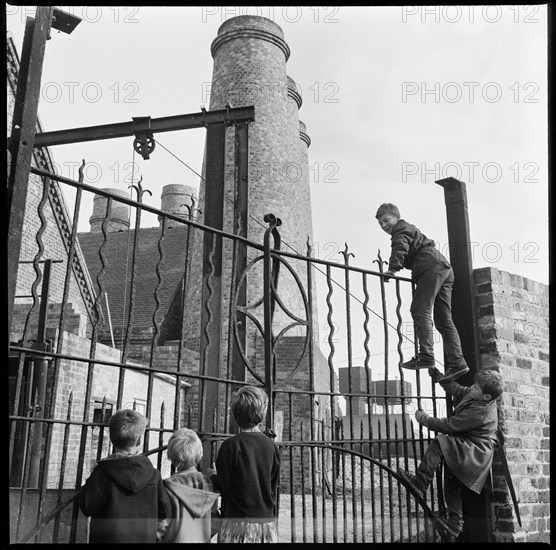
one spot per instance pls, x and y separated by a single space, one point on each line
177 199
119 214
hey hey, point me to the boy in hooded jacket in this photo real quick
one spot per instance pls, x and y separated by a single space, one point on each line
124 494
194 507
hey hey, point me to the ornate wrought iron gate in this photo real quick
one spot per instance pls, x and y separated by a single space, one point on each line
342 434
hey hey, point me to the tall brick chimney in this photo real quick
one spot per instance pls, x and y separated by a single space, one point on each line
250 56
119 214
177 199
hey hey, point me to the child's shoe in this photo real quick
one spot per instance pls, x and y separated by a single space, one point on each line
452 532
412 482
418 362
454 372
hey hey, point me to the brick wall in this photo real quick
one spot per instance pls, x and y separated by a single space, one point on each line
72 380
514 339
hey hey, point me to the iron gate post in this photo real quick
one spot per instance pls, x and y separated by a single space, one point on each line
241 219
22 137
40 372
24 126
271 269
463 293
211 302
478 524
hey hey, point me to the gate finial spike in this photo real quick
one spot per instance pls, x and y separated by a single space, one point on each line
346 254
81 170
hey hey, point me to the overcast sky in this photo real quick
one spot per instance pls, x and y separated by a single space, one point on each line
393 98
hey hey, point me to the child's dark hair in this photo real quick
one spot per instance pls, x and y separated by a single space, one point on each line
126 428
490 382
249 406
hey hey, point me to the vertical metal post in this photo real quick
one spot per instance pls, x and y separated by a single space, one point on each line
478 523
40 366
271 269
241 216
211 302
463 294
21 142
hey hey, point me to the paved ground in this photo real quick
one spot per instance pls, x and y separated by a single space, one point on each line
361 523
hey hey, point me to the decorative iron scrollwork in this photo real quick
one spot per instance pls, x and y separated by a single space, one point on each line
247 311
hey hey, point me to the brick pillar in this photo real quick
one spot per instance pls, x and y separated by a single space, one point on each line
514 339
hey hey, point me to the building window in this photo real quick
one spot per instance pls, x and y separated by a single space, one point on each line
140 405
102 412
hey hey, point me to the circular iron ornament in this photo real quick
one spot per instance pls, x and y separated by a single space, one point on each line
246 310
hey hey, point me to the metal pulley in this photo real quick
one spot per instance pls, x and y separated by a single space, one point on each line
144 145
144 142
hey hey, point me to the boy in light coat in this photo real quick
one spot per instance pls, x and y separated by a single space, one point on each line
465 441
192 496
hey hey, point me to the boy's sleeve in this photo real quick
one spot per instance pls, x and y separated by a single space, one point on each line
463 421
161 529
457 391
401 241
223 479
93 495
276 470
164 504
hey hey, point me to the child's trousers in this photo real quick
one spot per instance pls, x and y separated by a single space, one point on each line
433 297
452 489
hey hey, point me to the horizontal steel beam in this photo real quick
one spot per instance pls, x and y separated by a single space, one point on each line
163 124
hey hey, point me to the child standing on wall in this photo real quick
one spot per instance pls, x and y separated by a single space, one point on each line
465 442
434 278
192 495
124 494
247 474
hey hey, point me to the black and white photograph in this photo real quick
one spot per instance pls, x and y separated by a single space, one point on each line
278 274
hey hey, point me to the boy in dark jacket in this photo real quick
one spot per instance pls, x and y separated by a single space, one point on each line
124 494
434 278
465 441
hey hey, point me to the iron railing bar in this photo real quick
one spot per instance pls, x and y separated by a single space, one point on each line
132 288
373 507
99 361
147 208
343 267
185 282
17 395
25 477
156 324
65 449
303 496
292 486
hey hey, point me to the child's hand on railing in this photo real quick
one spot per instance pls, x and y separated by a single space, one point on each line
388 274
435 374
420 414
